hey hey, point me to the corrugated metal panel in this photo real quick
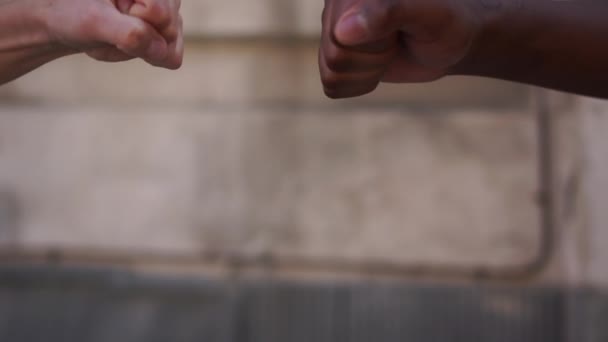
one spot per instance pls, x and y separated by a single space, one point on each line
50 305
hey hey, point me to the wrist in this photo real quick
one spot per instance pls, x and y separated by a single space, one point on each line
497 32
41 18
26 30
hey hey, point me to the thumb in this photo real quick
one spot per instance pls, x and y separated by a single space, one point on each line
133 36
353 29
368 23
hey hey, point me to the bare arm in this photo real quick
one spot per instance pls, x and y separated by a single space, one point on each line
556 44
560 44
24 43
35 32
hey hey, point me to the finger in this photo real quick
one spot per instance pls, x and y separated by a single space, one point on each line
130 35
124 6
159 13
109 54
352 91
371 21
340 59
348 72
175 57
360 58
178 55
343 85
353 86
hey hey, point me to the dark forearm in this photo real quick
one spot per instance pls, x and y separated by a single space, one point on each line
559 44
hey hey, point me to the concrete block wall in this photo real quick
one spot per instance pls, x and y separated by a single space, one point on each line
580 151
239 157
482 201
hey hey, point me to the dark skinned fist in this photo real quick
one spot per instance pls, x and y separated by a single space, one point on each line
365 42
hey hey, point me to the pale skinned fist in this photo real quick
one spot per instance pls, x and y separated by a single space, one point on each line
118 30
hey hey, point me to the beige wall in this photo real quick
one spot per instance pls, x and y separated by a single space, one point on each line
239 156
587 191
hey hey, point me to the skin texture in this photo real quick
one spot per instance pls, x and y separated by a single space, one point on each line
35 32
555 44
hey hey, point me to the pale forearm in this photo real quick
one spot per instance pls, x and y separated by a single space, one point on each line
16 63
34 32
24 41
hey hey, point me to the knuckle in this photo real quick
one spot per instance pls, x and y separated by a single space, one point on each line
175 62
337 59
173 29
171 33
385 10
332 93
330 79
135 38
159 12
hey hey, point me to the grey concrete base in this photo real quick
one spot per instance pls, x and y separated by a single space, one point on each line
45 304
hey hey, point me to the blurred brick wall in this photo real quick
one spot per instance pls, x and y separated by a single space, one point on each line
238 156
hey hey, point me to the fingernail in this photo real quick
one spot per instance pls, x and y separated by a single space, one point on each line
352 29
157 50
